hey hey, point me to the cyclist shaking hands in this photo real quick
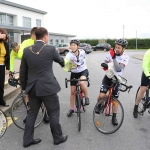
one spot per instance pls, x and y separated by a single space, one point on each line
75 59
120 60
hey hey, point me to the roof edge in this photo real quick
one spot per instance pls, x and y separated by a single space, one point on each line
22 7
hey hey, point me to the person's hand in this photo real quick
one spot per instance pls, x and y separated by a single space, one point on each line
6 72
112 53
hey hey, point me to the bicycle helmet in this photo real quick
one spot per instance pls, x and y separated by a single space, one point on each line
12 82
76 41
121 42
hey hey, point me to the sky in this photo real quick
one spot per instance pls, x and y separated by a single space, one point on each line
100 19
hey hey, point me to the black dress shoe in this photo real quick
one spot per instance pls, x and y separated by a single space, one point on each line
63 139
46 118
4 104
36 141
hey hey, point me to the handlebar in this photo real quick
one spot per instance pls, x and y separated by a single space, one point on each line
77 80
126 88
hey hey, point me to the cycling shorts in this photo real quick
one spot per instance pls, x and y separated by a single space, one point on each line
77 76
104 87
144 80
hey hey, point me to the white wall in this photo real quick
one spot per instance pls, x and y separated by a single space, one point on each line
19 13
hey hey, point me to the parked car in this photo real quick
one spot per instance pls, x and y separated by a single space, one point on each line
86 47
63 48
101 46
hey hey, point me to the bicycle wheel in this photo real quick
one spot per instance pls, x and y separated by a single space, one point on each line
103 121
19 112
143 103
3 123
78 106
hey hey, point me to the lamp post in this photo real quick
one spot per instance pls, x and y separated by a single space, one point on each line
123 31
136 39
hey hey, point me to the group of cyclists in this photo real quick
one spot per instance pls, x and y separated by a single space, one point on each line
75 63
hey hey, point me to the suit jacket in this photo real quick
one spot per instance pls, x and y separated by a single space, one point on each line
7 56
36 70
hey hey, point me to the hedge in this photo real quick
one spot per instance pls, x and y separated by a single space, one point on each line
141 43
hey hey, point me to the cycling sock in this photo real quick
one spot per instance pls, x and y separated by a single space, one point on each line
114 115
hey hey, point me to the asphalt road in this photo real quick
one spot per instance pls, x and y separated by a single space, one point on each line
133 134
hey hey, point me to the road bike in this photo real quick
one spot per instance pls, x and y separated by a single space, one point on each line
20 106
145 101
103 120
79 100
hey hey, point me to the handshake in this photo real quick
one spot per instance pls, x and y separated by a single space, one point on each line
112 53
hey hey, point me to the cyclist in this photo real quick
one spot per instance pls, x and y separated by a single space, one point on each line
120 60
76 60
145 79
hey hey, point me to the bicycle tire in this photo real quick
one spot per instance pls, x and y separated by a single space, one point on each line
3 123
141 107
103 122
78 105
19 107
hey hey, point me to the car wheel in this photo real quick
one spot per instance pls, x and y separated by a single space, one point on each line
65 52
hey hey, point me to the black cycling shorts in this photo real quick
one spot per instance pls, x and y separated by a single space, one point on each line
104 87
78 75
144 80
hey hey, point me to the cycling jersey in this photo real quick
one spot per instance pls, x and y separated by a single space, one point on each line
23 45
146 63
13 55
123 59
76 63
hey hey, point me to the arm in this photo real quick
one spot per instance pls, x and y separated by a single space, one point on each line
23 73
118 66
146 63
58 58
12 60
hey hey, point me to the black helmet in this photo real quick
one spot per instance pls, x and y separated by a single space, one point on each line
121 42
13 82
75 41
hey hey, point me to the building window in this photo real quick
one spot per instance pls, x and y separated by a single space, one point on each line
26 22
38 22
51 42
6 19
56 42
62 41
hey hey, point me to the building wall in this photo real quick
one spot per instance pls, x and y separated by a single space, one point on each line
19 13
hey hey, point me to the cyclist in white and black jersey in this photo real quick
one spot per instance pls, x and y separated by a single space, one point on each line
78 68
120 60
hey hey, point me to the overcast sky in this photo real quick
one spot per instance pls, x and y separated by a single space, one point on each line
95 18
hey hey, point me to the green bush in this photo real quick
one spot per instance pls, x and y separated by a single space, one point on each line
141 43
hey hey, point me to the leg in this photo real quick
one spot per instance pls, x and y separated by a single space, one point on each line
34 105
72 100
51 103
143 87
2 80
84 75
140 95
84 90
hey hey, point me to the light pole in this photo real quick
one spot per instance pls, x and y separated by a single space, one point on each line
136 39
123 31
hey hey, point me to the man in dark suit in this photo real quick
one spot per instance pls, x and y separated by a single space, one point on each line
39 82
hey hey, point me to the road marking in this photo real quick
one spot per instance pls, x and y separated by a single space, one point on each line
95 62
10 121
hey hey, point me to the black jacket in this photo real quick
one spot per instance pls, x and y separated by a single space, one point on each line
37 71
7 56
